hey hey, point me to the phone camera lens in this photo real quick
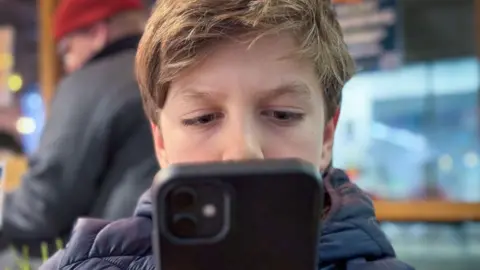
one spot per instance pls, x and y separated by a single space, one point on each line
183 198
184 226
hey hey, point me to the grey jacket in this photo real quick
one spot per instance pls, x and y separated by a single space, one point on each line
95 156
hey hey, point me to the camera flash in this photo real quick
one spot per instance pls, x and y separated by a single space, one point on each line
209 210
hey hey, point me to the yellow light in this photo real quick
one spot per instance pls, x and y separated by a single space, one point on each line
445 163
6 61
15 82
470 159
26 125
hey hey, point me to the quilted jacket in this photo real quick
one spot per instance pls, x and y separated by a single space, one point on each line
351 237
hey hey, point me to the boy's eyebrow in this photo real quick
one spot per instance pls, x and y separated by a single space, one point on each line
193 94
294 89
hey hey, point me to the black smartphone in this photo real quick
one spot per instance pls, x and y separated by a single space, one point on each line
249 215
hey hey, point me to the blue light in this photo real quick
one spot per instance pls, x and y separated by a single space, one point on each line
31 105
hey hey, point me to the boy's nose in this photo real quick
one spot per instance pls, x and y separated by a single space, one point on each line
243 146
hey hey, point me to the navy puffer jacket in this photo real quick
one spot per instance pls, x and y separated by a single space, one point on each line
351 237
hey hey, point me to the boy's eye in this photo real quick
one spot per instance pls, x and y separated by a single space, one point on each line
283 116
202 120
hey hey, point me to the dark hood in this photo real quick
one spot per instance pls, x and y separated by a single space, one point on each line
350 229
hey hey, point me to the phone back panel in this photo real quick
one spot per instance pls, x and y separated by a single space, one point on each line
273 219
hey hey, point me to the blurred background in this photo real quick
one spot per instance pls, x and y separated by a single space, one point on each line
408 132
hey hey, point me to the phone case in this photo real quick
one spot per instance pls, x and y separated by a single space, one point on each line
274 217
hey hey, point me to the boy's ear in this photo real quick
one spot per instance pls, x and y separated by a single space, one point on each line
335 117
328 136
159 145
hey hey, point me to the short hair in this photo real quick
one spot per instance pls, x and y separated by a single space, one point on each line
179 32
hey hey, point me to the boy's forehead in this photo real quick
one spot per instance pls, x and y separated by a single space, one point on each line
264 69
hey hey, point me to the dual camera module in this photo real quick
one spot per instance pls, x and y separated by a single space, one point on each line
196 211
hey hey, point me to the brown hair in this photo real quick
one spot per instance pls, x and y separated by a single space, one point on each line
178 30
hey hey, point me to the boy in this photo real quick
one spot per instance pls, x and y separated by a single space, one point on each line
242 79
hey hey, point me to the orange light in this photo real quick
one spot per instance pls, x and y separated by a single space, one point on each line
353 174
6 61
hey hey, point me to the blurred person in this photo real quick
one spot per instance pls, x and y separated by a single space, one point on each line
229 80
96 155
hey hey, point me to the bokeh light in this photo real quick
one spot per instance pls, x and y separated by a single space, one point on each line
6 61
26 125
15 82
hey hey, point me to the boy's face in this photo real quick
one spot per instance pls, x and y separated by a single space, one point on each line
246 103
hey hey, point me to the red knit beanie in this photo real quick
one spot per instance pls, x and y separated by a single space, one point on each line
73 15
